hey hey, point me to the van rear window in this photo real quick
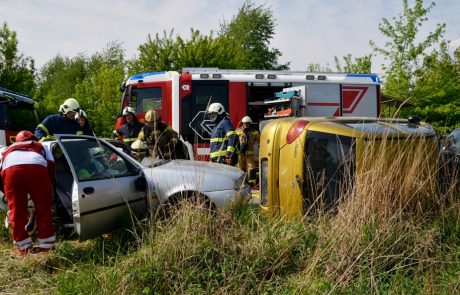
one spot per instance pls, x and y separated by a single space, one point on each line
372 127
391 128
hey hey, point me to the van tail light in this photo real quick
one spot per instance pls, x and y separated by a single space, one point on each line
295 130
264 182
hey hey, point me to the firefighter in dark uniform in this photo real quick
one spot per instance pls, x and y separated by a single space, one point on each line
82 119
62 123
130 130
160 138
223 137
248 154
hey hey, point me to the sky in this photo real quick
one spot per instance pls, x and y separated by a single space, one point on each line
307 31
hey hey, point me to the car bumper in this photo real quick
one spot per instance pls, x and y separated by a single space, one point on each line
225 198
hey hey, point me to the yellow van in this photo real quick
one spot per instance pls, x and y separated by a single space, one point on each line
310 161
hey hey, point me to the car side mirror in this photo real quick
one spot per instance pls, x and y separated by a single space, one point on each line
140 184
122 87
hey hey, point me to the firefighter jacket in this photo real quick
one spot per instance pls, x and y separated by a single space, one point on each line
223 140
56 124
86 130
249 141
128 131
160 140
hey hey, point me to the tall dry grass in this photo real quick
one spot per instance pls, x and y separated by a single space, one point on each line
393 231
379 220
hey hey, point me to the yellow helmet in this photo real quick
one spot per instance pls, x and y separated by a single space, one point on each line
151 116
138 145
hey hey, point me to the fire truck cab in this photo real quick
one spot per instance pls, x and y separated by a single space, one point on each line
182 99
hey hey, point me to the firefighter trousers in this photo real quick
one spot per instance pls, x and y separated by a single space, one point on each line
32 180
249 165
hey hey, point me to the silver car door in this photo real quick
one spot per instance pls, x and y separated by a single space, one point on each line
106 193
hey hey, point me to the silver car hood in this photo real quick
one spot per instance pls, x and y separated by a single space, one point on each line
170 177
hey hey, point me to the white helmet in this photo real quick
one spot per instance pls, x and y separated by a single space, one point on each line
128 110
216 108
69 105
246 119
82 114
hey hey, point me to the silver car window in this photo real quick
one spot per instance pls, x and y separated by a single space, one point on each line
94 160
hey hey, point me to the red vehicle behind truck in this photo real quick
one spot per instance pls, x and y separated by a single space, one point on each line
182 99
17 112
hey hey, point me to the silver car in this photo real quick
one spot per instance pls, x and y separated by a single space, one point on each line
100 188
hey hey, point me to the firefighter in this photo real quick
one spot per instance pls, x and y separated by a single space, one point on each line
248 154
223 136
28 169
61 123
82 119
159 137
130 130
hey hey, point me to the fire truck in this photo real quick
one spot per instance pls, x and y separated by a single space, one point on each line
17 112
182 98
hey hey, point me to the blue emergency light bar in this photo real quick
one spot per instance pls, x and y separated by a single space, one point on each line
374 77
143 75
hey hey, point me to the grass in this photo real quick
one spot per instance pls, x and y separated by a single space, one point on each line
388 234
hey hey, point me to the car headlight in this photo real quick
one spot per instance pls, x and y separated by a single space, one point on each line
239 183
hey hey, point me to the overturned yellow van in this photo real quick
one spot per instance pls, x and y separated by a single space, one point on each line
312 162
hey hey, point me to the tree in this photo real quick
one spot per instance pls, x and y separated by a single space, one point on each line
242 43
57 81
360 65
99 93
312 67
437 90
94 81
250 32
169 53
16 71
403 54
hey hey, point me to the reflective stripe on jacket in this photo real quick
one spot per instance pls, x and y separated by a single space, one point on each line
223 140
56 124
249 141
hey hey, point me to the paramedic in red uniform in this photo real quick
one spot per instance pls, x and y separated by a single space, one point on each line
28 168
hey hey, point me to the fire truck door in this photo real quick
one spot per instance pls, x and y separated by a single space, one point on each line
197 126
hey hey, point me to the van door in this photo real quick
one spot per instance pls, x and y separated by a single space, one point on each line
104 194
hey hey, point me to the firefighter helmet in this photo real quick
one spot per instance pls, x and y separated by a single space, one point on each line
246 119
216 108
24 135
81 114
152 116
138 145
128 110
69 105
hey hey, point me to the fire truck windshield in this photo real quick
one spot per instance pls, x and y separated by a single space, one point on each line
144 99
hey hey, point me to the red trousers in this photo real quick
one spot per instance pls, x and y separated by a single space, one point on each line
19 181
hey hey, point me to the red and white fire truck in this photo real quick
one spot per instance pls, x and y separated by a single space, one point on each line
17 112
182 99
